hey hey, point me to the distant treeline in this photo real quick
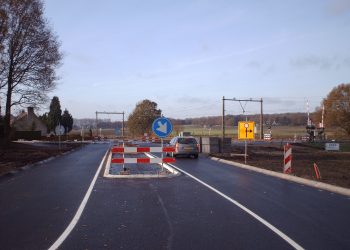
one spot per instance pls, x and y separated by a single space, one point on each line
88 123
285 119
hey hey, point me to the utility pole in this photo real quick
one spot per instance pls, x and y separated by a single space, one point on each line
261 120
223 124
96 125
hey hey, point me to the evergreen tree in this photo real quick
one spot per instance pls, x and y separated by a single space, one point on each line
55 114
67 121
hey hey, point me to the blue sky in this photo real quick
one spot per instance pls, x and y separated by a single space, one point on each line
186 55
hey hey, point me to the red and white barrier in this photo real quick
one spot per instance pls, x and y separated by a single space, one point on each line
142 149
143 160
267 137
287 168
317 172
127 150
150 139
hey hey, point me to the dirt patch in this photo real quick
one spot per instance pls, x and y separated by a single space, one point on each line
17 155
334 166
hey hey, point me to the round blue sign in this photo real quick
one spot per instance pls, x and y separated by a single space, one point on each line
162 127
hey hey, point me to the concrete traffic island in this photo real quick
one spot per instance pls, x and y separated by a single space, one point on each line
152 170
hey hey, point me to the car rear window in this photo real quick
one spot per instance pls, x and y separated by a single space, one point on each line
187 141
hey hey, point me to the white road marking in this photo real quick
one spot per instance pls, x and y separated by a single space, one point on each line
81 208
257 217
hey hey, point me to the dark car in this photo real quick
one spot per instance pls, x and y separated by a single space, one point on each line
185 146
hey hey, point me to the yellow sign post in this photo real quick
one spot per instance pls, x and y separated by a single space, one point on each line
246 130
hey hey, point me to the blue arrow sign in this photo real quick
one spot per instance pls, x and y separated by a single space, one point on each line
162 127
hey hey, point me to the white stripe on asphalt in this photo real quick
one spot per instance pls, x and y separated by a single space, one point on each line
81 208
257 217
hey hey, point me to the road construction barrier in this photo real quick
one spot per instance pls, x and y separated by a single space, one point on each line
131 150
317 172
267 137
305 138
142 149
150 139
143 160
287 168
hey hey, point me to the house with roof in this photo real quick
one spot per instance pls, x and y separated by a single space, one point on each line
29 122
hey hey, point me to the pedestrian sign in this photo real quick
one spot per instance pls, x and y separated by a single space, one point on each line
162 127
246 130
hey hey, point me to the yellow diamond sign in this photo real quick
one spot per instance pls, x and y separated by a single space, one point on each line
246 130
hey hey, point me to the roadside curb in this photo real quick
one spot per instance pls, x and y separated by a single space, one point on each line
106 174
311 183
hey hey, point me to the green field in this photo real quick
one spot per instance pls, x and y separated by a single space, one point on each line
280 132
277 132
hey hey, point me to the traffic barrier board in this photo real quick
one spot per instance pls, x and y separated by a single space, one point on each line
267 137
142 149
123 150
143 160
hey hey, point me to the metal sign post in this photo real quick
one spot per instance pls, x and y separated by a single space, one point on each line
161 140
124 168
246 132
162 127
59 130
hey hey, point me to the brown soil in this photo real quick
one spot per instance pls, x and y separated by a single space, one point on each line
334 166
17 155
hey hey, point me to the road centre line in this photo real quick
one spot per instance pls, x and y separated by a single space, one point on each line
245 209
80 210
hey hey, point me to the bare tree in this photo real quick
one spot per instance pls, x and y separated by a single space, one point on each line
3 32
30 55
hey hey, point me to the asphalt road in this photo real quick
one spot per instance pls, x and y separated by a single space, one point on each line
168 213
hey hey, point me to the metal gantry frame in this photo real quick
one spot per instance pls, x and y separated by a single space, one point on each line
241 100
110 113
